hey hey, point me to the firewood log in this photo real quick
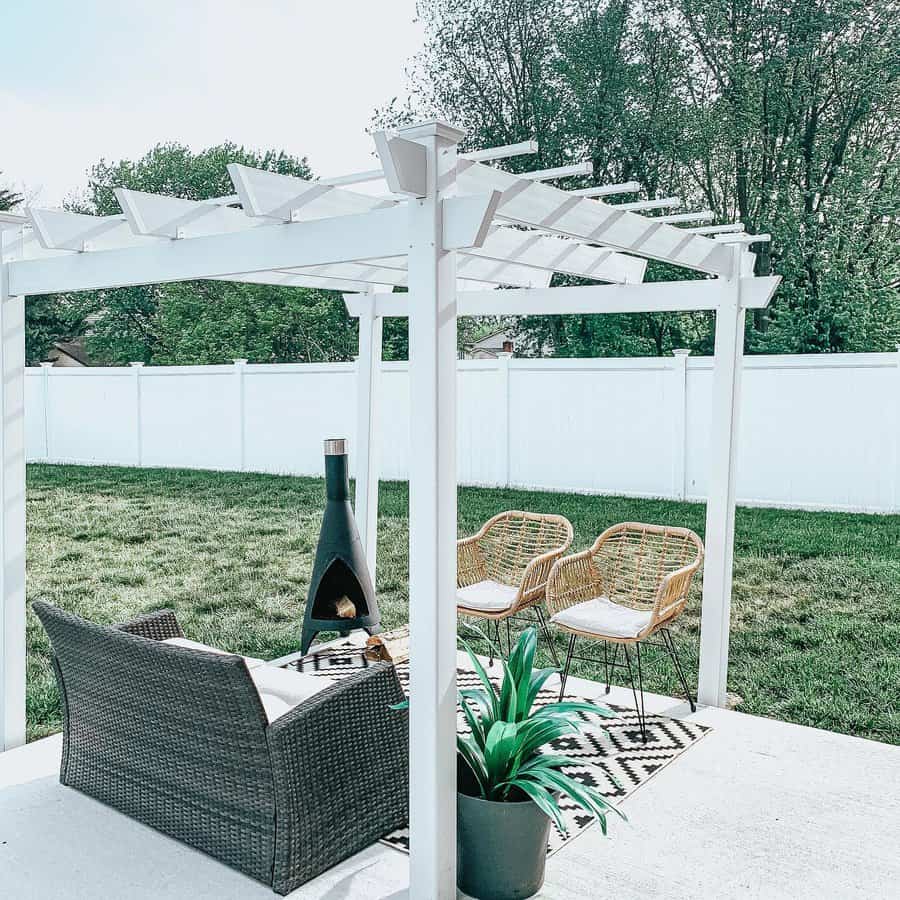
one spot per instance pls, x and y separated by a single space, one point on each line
391 646
345 608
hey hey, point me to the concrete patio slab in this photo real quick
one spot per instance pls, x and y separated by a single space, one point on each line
758 808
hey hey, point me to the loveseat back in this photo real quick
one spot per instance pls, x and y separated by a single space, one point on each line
171 736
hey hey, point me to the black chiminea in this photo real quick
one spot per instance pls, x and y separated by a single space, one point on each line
341 596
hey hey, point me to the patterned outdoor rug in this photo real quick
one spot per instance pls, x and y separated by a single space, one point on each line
613 757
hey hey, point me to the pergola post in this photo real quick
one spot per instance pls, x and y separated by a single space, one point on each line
368 389
432 524
715 620
12 516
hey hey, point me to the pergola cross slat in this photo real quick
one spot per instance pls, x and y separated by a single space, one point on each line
454 230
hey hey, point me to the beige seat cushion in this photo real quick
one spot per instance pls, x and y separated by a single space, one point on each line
291 687
487 596
280 690
274 706
252 661
604 618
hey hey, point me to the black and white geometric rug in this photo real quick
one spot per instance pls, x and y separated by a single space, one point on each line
613 758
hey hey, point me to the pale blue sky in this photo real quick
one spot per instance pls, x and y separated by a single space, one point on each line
81 80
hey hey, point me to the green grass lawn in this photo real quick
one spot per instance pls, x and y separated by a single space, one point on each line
815 624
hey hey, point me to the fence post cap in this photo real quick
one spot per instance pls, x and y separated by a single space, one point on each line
240 362
46 365
681 351
136 365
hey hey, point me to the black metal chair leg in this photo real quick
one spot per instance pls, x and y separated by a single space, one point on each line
491 643
669 641
565 674
508 639
638 704
548 635
611 664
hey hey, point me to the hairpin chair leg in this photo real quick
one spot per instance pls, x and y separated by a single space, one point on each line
669 641
565 674
639 704
610 664
548 635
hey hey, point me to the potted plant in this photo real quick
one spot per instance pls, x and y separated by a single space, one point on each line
507 789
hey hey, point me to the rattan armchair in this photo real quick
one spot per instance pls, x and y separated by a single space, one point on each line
630 585
503 569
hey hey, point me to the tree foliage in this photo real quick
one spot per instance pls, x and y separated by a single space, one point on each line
207 321
782 113
8 199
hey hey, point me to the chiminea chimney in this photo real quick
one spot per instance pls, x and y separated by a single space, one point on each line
341 595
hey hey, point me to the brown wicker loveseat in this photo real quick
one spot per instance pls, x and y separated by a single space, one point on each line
179 738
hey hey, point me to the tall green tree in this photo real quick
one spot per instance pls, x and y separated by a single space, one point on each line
783 113
207 322
47 319
8 198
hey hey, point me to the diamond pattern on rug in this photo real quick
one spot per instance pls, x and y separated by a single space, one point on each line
611 755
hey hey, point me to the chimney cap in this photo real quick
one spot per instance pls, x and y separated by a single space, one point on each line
336 447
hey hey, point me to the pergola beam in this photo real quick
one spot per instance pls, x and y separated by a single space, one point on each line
507 151
743 238
585 167
651 296
371 235
607 190
658 203
541 206
702 215
717 229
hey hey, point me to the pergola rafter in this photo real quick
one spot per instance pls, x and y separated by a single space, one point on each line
453 230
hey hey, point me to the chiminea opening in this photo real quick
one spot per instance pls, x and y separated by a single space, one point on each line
341 595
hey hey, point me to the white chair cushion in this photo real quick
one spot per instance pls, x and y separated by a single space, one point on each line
291 687
604 618
487 596
274 706
280 690
251 661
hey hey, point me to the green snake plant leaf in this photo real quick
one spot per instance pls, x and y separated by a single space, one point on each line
509 695
472 754
544 800
538 680
482 704
570 706
475 723
500 748
489 688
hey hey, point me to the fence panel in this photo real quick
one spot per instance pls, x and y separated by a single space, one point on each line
816 431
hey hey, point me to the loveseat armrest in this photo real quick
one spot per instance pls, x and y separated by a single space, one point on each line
341 770
155 626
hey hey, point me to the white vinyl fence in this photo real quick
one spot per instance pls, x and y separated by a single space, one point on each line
818 432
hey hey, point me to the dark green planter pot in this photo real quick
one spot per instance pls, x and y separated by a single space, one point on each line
501 848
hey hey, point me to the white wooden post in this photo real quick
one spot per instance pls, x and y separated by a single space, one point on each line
432 526
240 367
679 424
45 399
138 417
368 390
715 620
12 516
896 504
503 368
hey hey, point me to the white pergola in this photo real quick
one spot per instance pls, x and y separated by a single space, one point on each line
451 228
